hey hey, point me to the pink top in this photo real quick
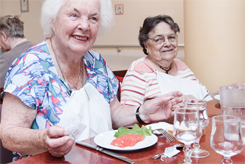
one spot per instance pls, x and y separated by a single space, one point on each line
140 83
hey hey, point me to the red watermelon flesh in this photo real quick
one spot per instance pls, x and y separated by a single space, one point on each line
127 140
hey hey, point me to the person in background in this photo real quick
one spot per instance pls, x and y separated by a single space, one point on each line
12 42
159 72
61 81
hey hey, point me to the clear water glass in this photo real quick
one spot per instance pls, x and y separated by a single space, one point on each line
232 101
226 136
204 121
187 129
243 131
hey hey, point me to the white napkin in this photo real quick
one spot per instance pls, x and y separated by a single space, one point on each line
90 107
217 97
168 83
161 125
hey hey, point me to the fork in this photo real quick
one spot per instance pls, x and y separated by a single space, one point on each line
210 93
165 134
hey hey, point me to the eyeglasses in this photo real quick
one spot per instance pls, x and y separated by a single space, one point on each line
172 38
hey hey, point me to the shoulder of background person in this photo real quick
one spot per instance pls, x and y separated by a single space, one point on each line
15 52
4 66
24 46
7 58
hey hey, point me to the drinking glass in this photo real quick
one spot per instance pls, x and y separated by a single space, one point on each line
243 130
226 136
187 128
232 101
203 118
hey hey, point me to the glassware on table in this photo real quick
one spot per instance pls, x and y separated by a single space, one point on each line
226 136
232 101
243 130
186 128
204 121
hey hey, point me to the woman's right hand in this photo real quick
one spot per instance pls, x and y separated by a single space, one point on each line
57 141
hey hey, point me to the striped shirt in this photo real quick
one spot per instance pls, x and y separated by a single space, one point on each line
140 83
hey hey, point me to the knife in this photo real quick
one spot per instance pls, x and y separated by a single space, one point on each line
110 153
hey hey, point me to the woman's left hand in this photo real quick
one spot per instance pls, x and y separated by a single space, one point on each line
58 142
160 108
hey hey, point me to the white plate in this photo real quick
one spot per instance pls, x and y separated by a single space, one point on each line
217 97
104 140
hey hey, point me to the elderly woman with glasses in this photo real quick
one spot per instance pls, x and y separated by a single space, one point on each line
159 72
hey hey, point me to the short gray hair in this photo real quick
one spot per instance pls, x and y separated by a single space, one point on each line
51 8
12 26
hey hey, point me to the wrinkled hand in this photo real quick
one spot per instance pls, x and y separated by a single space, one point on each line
58 142
159 109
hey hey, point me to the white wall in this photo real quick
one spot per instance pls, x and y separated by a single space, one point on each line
126 27
123 34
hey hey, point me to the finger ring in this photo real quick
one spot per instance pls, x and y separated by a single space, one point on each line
61 153
172 108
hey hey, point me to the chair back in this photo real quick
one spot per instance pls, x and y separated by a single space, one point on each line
1 100
120 75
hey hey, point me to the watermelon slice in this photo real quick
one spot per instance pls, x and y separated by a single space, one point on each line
127 140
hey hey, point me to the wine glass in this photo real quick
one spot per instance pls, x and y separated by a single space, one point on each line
204 121
187 128
226 136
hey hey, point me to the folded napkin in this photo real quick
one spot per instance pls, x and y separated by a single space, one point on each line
187 86
217 97
161 125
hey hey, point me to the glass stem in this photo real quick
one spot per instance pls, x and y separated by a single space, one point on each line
187 152
227 160
196 145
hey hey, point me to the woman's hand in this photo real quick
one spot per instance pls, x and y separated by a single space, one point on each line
57 141
159 109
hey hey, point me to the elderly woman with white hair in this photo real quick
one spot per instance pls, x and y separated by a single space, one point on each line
61 84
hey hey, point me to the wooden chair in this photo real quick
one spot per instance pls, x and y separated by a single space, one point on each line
1 100
120 75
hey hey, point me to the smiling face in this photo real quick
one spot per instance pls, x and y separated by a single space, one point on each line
165 52
76 26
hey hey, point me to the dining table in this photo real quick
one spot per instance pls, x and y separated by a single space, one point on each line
81 154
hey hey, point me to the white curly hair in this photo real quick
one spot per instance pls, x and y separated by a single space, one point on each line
50 9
